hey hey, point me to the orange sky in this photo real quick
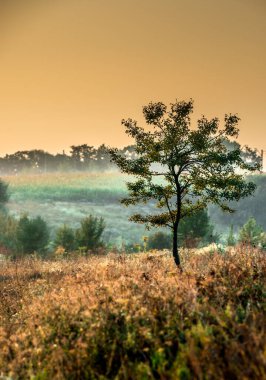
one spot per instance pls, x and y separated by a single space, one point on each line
70 70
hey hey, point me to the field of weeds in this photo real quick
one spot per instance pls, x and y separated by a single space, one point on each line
134 317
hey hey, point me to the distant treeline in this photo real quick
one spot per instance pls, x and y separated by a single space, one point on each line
81 158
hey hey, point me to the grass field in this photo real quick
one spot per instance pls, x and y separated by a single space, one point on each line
69 197
134 317
89 187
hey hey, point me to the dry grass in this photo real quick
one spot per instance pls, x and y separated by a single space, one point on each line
134 317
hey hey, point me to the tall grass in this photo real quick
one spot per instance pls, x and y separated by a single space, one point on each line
134 317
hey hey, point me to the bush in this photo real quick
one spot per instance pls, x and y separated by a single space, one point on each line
160 240
89 234
65 237
32 234
193 230
251 233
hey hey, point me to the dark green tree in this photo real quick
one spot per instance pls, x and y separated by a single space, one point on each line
32 234
181 168
196 228
89 234
65 237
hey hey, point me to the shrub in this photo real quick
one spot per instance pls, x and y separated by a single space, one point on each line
132 248
192 231
65 237
251 233
89 234
160 240
32 234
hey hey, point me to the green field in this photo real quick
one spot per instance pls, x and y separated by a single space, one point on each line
67 198
68 187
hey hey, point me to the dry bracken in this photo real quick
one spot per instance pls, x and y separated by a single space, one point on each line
133 317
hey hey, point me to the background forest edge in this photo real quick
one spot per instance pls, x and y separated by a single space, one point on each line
65 188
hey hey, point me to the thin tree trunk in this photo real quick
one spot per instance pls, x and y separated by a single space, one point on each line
175 248
177 220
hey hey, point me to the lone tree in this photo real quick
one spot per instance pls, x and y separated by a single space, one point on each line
181 168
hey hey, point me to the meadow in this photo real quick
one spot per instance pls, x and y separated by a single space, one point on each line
68 197
134 317
68 187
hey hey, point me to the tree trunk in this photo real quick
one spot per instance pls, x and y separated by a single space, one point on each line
175 248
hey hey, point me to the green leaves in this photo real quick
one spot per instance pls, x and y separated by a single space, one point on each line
208 127
154 112
251 233
160 220
195 166
180 112
231 122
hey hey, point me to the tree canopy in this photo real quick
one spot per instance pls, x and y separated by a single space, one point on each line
183 168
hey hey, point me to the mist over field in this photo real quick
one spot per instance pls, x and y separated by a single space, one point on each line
68 197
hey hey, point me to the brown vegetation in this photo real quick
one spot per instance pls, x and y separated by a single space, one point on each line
129 317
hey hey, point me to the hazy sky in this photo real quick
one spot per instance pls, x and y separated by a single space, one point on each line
70 70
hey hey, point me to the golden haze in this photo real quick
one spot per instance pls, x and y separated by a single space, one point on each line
70 70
